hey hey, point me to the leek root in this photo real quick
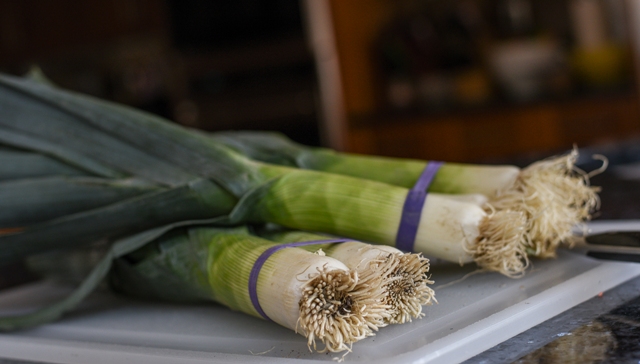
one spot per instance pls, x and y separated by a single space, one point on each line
405 276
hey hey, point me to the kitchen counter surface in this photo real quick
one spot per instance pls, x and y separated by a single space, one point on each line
604 329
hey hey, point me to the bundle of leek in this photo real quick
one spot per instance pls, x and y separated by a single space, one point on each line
197 178
552 194
313 294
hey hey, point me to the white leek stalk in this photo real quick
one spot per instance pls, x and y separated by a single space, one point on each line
405 276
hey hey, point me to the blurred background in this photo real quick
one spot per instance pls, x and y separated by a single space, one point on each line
459 80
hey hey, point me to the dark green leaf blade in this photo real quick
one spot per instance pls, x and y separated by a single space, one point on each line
200 199
20 140
186 149
16 164
29 115
28 201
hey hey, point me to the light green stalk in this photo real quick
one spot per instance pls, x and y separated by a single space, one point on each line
454 178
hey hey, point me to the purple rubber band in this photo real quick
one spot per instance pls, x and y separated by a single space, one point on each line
257 266
412 209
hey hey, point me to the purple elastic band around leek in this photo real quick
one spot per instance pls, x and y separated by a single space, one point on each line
257 266
412 209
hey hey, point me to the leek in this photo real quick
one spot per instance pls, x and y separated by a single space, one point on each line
456 231
553 194
111 140
313 294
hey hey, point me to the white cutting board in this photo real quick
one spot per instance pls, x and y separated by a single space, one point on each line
473 315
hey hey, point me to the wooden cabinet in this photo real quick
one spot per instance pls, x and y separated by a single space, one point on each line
34 29
494 134
495 131
213 65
